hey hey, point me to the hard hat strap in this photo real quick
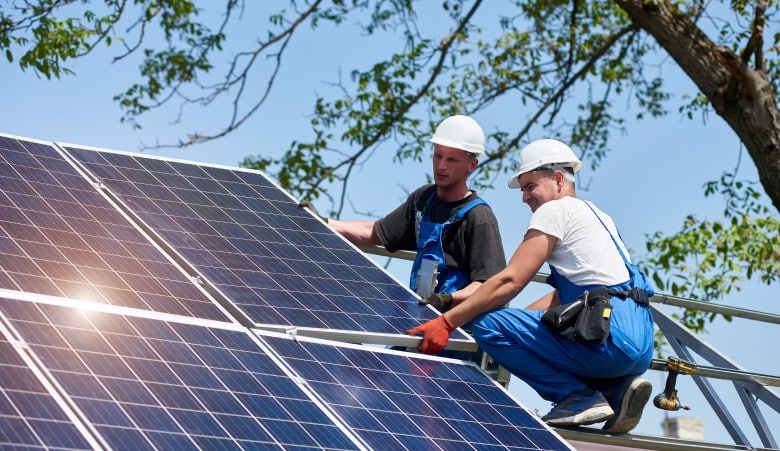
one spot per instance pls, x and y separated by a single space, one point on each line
563 167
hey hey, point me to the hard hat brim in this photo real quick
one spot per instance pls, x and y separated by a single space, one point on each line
455 145
514 181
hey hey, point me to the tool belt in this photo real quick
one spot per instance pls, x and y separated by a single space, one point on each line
587 318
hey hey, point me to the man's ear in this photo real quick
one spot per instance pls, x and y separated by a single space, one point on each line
473 163
560 178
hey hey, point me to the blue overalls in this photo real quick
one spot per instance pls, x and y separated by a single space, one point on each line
555 366
429 247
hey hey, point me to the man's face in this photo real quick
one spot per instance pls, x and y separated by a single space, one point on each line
451 166
539 187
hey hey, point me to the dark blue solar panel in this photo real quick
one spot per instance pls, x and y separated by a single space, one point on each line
29 415
272 259
149 384
405 401
147 381
59 236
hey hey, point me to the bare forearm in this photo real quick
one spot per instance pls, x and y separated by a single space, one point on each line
543 303
357 232
504 286
461 295
494 293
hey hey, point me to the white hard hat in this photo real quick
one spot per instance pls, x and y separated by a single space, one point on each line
460 132
544 152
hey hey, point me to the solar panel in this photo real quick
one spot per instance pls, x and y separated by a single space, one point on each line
177 383
30 416
60 236
151 384
278 264
132 289
398 400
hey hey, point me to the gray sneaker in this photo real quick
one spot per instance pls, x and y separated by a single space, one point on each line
627 399
579 409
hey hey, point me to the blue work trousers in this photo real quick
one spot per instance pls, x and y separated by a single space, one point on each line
555 366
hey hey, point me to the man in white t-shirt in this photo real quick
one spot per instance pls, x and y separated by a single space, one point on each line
588 382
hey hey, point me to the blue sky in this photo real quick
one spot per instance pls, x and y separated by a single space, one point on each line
652 179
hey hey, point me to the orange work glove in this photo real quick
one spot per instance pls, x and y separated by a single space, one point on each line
436 334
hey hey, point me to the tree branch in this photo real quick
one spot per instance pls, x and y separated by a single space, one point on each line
565 85
756 42
238 79
445 46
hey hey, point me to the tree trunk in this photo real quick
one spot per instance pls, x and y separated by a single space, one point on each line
740 95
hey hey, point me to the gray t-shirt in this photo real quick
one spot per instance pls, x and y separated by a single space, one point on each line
472 245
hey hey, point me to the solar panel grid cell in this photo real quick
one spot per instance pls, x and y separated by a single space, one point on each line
163 383
398 400
29 415
68 240
269 257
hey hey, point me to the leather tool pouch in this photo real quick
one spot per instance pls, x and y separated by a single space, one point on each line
585 320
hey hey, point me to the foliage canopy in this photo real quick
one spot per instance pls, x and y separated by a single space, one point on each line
567 63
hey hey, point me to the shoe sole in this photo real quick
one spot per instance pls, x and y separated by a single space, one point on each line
631 406
590 416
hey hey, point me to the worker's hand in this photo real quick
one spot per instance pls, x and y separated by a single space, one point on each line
442 301
307 204
436 334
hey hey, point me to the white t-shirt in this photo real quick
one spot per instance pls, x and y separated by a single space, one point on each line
584 253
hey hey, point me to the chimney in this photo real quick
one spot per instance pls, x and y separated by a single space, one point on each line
683 427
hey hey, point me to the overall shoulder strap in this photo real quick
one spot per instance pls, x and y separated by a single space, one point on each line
622 255
464 210
637 294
